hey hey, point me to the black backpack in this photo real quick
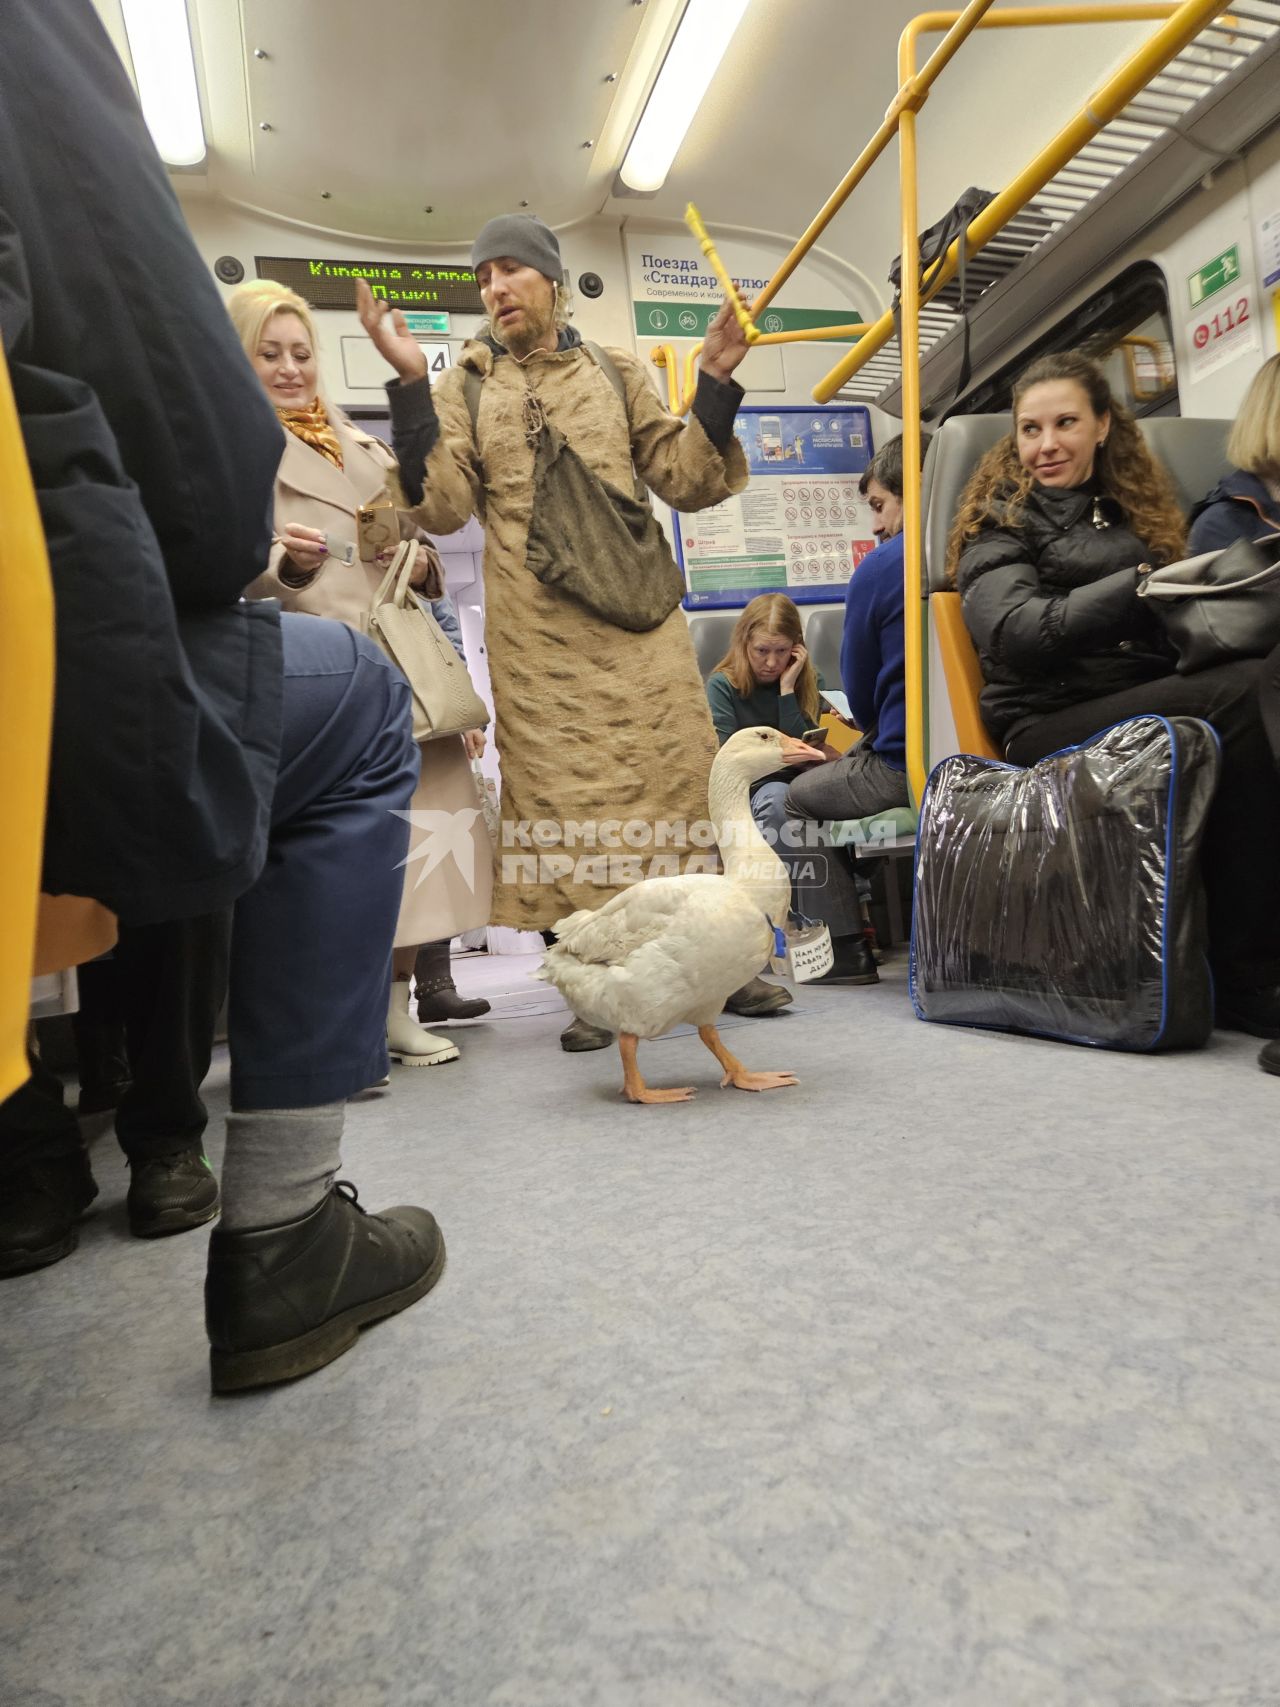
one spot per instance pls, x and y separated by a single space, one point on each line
934 244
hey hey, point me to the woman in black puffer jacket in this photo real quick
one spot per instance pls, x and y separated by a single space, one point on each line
1055 528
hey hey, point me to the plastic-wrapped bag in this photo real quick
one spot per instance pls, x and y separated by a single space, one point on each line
1065 899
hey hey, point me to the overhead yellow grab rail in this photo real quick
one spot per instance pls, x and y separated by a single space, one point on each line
26 723
752 333
1179 25
664 356
1182 24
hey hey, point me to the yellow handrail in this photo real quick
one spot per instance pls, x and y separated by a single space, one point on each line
664 356
1181 26
26 723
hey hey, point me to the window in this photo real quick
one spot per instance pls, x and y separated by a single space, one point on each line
1126 328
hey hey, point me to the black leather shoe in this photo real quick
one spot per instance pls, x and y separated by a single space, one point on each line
854 963
39 1207
757 998
439 1003
1269 1057
281 1302
580 1036
170 1194
1256 1012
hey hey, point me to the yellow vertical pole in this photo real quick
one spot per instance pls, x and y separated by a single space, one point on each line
912 520
26 722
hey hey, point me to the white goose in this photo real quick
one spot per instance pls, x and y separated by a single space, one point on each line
670 950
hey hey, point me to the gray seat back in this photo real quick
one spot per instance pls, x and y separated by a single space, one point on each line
1193 452
954 452
822 634
711 632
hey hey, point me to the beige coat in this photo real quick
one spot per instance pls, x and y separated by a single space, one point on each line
454 896
593 723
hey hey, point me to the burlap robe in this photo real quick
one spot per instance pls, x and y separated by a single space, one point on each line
604 735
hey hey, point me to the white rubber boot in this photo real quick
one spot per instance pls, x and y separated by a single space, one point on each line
408 1042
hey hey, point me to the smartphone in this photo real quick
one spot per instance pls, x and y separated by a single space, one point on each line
342 550
836 702
378 530
814 737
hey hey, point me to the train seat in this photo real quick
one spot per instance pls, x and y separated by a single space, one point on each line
711 632
954 452
822 635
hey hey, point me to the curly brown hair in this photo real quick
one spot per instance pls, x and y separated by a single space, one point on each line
770 613
1124 469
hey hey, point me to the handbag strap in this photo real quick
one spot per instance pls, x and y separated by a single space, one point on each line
1151 589
395 583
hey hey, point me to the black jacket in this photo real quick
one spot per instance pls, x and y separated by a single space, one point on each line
154 451
1051 602
1239 507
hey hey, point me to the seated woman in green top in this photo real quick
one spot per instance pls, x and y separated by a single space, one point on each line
766 677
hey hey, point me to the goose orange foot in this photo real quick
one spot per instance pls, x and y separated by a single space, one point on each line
735 1073
633 1086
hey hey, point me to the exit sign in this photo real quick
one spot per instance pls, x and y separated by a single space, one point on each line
1215 275
421 325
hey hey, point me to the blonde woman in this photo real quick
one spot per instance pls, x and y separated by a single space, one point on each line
338 495
1246 504
767 678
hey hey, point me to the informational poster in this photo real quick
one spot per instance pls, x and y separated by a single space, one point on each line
1230 331
1269 249
800 527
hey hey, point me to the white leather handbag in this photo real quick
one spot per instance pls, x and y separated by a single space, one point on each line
445 701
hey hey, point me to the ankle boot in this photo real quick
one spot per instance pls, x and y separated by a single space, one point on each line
438 998
582 1035
1269 1057
757 998
407 1042
854 962
283 1301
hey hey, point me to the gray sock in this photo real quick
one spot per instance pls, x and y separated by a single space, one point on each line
279 1163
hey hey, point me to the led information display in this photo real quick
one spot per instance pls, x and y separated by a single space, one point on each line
407 284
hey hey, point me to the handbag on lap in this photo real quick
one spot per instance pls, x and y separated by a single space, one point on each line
1065 899
444 700
1221 605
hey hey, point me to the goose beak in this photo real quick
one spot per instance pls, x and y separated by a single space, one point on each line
799 752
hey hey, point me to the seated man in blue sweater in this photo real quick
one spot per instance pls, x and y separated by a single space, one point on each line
872 777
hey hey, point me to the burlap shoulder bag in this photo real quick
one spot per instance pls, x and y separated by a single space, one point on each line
602 547
1221 605
444 700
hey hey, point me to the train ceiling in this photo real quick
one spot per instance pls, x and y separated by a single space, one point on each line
415 120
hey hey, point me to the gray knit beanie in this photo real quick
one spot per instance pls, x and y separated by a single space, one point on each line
524 238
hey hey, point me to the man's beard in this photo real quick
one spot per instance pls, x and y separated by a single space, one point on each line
532 332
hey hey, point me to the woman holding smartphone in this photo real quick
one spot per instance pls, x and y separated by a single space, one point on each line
337 528
767 678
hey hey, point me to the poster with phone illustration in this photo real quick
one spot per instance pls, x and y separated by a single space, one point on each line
800 527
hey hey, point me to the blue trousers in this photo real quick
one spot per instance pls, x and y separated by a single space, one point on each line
311 942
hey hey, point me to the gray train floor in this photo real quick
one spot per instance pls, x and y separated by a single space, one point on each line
949 1377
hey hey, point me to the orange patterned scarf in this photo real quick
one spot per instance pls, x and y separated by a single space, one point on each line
311 425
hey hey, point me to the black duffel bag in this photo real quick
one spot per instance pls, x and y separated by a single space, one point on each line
1065 899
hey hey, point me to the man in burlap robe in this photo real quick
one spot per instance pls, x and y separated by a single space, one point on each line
598 727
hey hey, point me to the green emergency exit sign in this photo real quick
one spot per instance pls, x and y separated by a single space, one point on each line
420 322
1215 275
